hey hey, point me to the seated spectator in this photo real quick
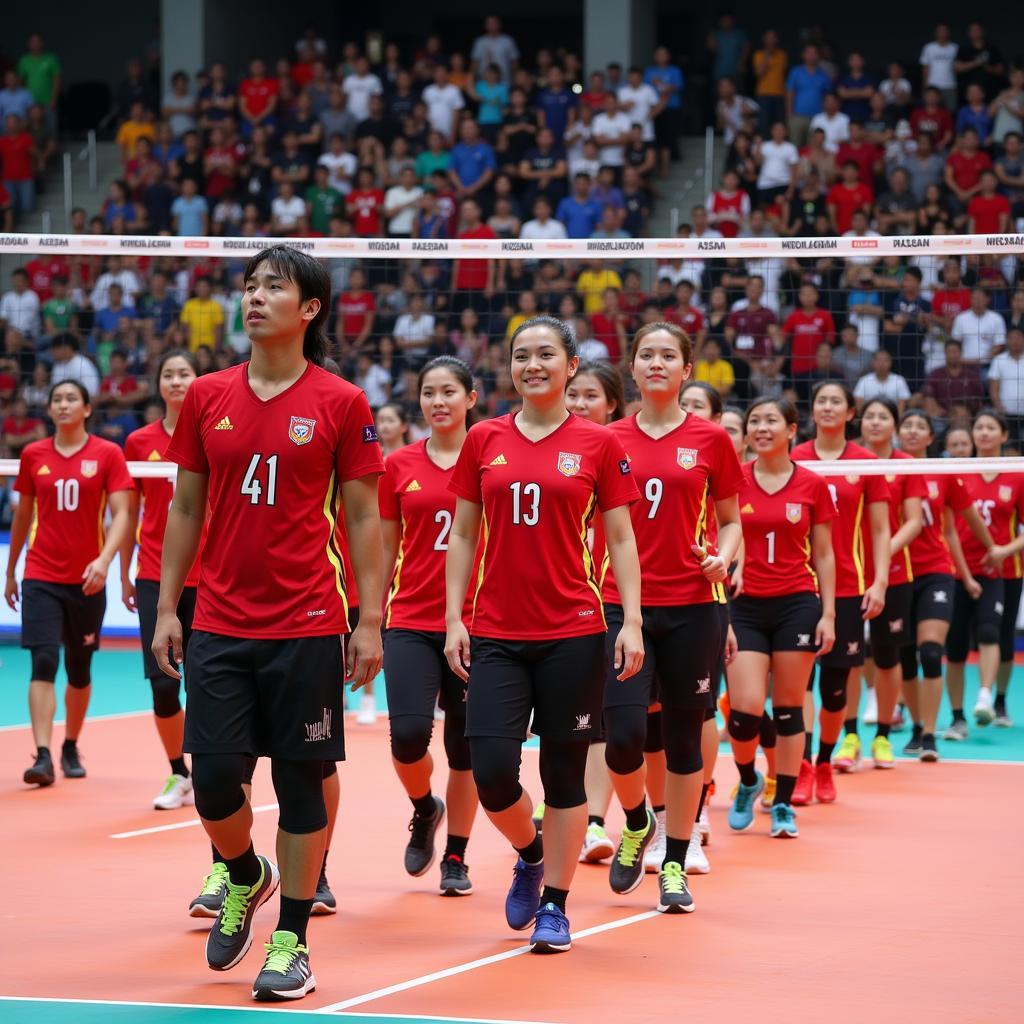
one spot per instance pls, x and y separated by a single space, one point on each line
340 163
376 131
543 225
712 369
473 164
816 159
1007 108
934 119
335 117
291 164
138 124
988 213
190 213
980 330
203 318
849 360
401 203
612 326
974 114
845 197
518 132
896 208
20 428
833 122
904 326
70 364
359 86
955 383
804 330
1006 381
413 331
728 207
19 308
882 383
925 167
120 390
526 308
373 379
752 331
119 205
158 308
257 99
356 309
963 169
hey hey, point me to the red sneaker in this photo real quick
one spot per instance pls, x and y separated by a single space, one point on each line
824 783
803 792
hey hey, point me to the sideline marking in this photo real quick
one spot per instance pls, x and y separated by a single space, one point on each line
191 823
91 718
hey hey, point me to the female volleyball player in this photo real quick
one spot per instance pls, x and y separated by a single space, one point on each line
535 479
687 471
417 510
784 609
392 427
862 510
67 483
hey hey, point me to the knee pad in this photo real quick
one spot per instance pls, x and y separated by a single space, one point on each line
217 781
654 743
330 768
166 703
563 769
832 681
789 721
249 769
410 737
931 660
769 732
625 738
45 660
886 657
496 771
987 633
299 786
744 727
683 733
908 662
78 664
456 746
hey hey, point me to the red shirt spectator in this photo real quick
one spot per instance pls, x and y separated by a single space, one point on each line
967 168
986 213
472 274
16 157
947 302
259 94
806 330
690 318
603 326
364 207
753 338
118 386
846 199
221 170
937 122
41 272
354 309
863 154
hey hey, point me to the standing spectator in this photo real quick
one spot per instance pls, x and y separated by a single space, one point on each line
401 202
579 212
59 311
359 86
611 133
555 103
542 170
667 78
710 368
636 203
896 209
728 208
473 164
611 326
322 201
934 119
179 106
963 170
491 95
980 330
975 114
862 151
988 213
17 165
336 118
413 330
494 47
158 308
70 364
882 383
41 72
903 329
341 165
14 98
257 98
19 308
806 87
640 102
925 168
807 327
770 66
475 279
365 204
953 384
850 360
1006 381
1007 109
443 100
937 60
202 317
731 48
979 63
896 90
833 122
217 100
846 196
190 213
138 125
356 308
856 88
752 329
518 131
777 160
733 112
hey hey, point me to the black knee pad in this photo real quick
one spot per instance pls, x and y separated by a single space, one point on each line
832 680
769 733
625 738
908 662
217 781
456 746
654 743
330 768
931 660
410 737
683 730
249 770
496 771
45 660
789 721
299 786
563 769
166 702
78 665
987 633
744 727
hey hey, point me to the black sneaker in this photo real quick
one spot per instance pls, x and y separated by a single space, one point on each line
70 764
231 936
929 751
673 891
211 896
455 876
324 901
627 868
419 854
913 745
286 972
41 772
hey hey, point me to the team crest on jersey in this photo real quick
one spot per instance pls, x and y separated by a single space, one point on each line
933 490
569 463
794 510
90 467
300 430
687 457
1006 494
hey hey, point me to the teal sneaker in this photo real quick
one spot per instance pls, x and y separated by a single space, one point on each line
741 814
783 822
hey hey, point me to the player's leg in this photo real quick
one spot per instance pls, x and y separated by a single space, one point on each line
324 901
988 623
654 763
83 619
958 645
890 632
1007 649
597 846
789 672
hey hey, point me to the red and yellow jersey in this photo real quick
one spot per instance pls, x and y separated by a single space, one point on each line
70 493
901 487
929 552
1000 503
536 578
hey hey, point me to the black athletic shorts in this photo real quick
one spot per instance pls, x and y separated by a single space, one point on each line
969 614
892 626
147 593
848 650
560 681
59 613
933 599
416 673
782 623
682 644
266 698
1008 626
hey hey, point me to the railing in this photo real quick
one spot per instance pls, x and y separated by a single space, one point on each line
87 153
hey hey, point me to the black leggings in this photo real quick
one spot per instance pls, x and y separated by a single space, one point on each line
496 763
410 738
626 738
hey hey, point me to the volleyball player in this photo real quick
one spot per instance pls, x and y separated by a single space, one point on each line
862 508
417 510
535 479
272 447
890 631
687 472
392 423
67 484
733 424
784 608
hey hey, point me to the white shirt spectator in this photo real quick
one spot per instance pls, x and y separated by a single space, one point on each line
1009 372
130 284
895 93
576 164
500 49
376 382
534 229
862 260
341 169
642 100
978 335
575 139
894 387
358 89
776 160
836 128
937 60
180 116
732 115
79 368
770 268
415 328
613 127
442 102
401 222
21 311
287 212
591 350
869 329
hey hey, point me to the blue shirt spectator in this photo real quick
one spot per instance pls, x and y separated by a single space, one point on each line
856 109
666 74
729 44
191 214
493 101
579 215
14 99
808 87
976 118
471 161
107 320
556 102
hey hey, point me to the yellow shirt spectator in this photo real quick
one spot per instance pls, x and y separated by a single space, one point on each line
130 132
773 81
591 285
204 319
718 374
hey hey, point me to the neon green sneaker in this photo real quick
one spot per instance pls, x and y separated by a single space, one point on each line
538 816
674 893
211 896
847 757
230 938
627 868
881 752
286 972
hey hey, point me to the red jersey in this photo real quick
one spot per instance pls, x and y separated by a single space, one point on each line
901 486
41 272
355 309
1000 503
150 444
851 495
259 94
986 211
536 579
473 273
950 301
929 552
16 157
272 568
807 331
752 338
938 123
70 492
777 532
865 156
723 203
690 318
847 201
364 207
604 330
679 476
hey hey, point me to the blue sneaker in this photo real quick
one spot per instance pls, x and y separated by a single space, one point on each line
551 934
523 897
784 822
741 814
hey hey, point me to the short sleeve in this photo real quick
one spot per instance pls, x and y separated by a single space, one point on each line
726 472
387 493
24 484
186 447
615 483
465 481
914 486
876 489
824 509
132 453
957 497
358 453
118 477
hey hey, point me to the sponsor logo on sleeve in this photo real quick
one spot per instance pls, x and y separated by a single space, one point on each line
369 433
624 467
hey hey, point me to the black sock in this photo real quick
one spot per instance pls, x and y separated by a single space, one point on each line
218 857
323 867
552 895
294 917
533 853
918 731
424 805
825 752
244 869
808 737
636 817
784 786
658 808
1001 702
675 849
882 729
456 846
850 725
595 819
703 797
69 746
747 774
958 715
178 766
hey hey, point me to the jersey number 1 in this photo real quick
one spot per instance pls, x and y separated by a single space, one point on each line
251 484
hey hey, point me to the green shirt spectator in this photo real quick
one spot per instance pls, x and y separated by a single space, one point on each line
432 160
58 313
322 204
40 70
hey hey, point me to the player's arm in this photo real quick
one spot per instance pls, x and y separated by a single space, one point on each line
621 542
128 593
956 550
94 576
881 538
391 530
458 565
362 521
730 535
20 526
825 568
913 524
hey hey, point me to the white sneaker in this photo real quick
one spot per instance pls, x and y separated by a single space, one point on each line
984 707
696 860
176 793
655 853
871 709
704 824
597 845
367 713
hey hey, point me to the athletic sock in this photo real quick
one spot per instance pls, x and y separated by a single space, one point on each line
552 895
1000 706
178 767
883 730
825 752
958 715
808 737
43 752
244 869
323 866
675 849
703 797
636 817
532 853
595 819
918 731
69 746
850 725
294 917
218 857
456 846
747 774
424 805
784 786
658 808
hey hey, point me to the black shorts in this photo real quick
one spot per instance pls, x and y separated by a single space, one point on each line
266 698
848 650
1008 627
59 613
892 626
416 674
969 614
783 623
682 644
560 681
933 598
148 591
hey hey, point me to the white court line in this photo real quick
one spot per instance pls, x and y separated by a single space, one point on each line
92 718
191 823
450 972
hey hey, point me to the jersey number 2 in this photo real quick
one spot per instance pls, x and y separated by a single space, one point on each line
444 518
251 484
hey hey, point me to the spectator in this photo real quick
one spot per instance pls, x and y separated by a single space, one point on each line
20 428
988 213
636 203
925 167
257 99
59 312
190 213
806 86
816 159
896 91
356 309
322 201
556 104
730 46
70 364
542 226
610 225
980 330
543 170
14 98
365 204
373 379
896 208
953 384
203 318
494 47
807 327
937 60
443 100
667 78
492 96
40 70
770 66
734 113
979 63
777 160
1007 109
359 86
611 133
217 100
752 330
855 89
849 360
473 164
882 383
579 212
933 119
641 102
711 368
119 271
158 308
413 331
108 321
19 308
728 207
592 283
975 114
963 169
120 390
179 107
17 165
844 198
833 122
475 280
904 326
1006 381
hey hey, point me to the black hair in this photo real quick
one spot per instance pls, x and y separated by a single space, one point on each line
66 338
886 403
993 414
714 398
176 353
611 383
784 405
921 415
566 333
851 403
82 390
313 283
